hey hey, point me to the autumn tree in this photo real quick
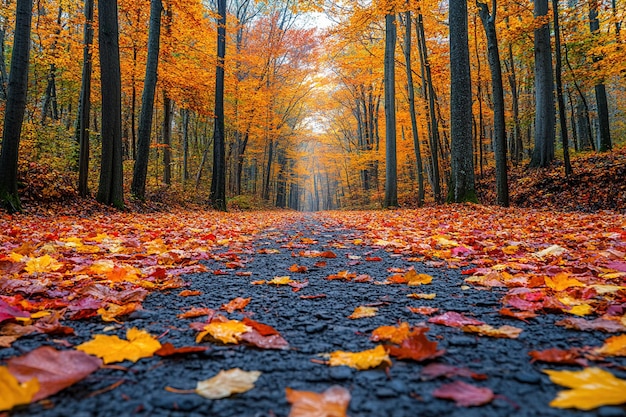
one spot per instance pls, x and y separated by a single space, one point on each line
391 177
110 189
462 166
84 103
15 105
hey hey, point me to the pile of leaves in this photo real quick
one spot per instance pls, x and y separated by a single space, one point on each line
596 184
39 184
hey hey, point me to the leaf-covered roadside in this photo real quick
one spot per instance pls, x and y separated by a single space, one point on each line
102 270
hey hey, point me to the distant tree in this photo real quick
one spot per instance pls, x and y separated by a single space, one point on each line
217 197
140 171
462 166
391 177
111 187
15 106
545 120
84 103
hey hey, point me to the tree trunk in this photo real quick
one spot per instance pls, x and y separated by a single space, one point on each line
140 172
391 174
543 153
185 170
111 186
268 171
217 197
601 99
462 166
167 139
4 77
84 104
517 146
499 126
15 106
559 89
50 98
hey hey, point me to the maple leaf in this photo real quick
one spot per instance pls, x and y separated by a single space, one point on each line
393 334
362 312
196 312
229 331
333 402
413 278
416 347
562 281
8 312
55 370
298 268
613 346
140 344
609 326
520 315
263 329
423 310
591 388
284 280
236 304
454 319
553 355
505 331
365 359
14 393
112 311
227 383
189 293
464 394
419 296
44 263
168 349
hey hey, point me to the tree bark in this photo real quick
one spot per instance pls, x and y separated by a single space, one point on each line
601 96
111 186
217 197
84 104
499 126
543 153
559 89
140 171
391 174
462 167
15 106
167 139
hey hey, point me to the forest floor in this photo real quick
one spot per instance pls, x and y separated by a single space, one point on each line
478 303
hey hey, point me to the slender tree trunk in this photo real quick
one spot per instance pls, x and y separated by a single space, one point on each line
268 171
543 153
167 139
559 89
601 97
140 172
517 148
462 166
217 197
391 174
479 97
185 171
4 77
499 126
50 98
84 104
411 96
111 186
15 106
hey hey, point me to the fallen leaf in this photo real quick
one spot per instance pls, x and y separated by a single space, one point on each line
312 297
454 319
333 402
112 311
591 388
366 359
196 312
140 344
229 331
9 312
44 263
423 310
189 293
14 393
554 355
435 370
613 346
393 334
413 278
227 383
464 394
55 370
505 331
284 280
275 341
554 250
416 347
604 325
263 329
236 304
520 315
168 349
419 296
298 268
562 281
362 312
7 341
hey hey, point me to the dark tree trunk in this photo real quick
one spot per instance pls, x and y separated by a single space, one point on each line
559 89
217 197
111 186
543 153
140 172
84 104
50 105
15 106
167 139
499 126
4 77
281 180
462 166
268 171
185 173
391 174
517 146
601 99
411 97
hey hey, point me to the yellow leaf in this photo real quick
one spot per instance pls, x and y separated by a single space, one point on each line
40 314
113 310
580 310
592 388
140 344
44 263
361 312
14 393
562 281
16 257
554 250
225 331
102 266
360 360
227 383
393 334
613 346
422 296
488 330
413 278
607 289
285 280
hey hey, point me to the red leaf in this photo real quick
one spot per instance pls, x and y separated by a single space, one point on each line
263 329
464 394
297 286
416 347
454 319
236 304
435 370
274 341
520 315
569 357
168 349
8 312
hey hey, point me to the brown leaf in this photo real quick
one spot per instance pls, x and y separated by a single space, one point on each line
435 370
609 326
464 394
331 403
554 355
55 370
168 349
416 347
454 319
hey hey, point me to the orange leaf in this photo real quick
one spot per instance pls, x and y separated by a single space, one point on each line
236 304
331 403
189 293
361 312
416 347
360 360
393 334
